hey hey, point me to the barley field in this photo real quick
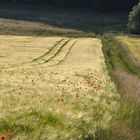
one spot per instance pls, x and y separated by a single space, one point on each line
54 88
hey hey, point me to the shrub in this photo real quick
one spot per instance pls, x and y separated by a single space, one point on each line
134 19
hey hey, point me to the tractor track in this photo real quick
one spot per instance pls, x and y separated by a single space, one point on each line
45 61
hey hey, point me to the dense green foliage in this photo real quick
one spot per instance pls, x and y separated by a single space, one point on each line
134 19
101 5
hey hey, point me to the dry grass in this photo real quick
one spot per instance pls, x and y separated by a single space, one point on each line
129 85
127 122
53 21
23 27
16 49
54 88
133 44
123 67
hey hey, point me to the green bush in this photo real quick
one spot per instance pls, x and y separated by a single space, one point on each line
134 20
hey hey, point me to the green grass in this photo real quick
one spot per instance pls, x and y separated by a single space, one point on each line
117 56
126 123
132 44
10 126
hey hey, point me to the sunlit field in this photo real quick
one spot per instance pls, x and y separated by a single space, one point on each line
69 70
133 45
54 88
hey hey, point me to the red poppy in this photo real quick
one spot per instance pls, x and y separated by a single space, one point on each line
10 134
88 82
3 137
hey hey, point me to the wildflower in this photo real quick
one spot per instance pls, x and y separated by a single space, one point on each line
10 134
88 82
3 137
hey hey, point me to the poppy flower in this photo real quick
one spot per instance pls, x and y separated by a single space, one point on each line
10 134
88 82
3 137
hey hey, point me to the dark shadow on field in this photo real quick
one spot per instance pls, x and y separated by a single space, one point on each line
36 20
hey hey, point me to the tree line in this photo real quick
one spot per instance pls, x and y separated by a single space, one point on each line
100 5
